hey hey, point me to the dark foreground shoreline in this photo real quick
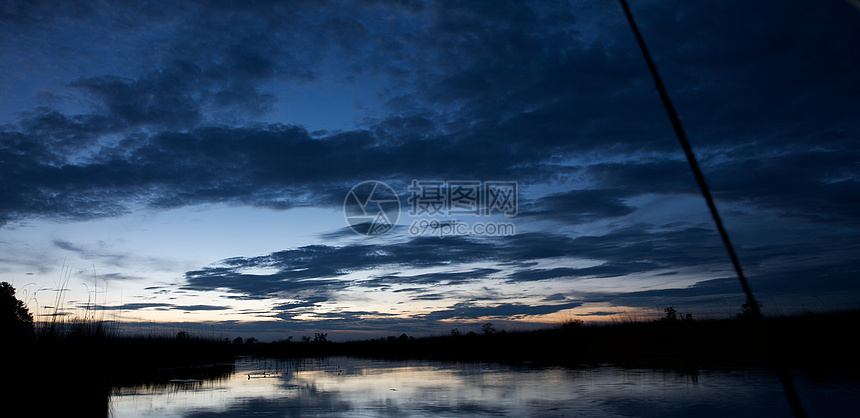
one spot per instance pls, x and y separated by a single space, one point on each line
78 371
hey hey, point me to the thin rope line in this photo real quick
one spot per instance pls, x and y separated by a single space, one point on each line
788 387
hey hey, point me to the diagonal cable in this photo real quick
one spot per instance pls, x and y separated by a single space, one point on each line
788 387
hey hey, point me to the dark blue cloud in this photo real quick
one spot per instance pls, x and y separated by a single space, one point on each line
430 278
580 206
526 88
469 311
158 306
318 273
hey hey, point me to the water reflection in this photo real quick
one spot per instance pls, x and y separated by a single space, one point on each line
342 386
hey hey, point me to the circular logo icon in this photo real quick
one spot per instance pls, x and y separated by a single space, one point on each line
371 208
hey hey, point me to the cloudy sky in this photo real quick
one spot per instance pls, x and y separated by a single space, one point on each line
192 163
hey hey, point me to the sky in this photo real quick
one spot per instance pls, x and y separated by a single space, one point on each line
382 167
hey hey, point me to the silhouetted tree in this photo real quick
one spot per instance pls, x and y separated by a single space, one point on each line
14 315
488 329
671 313
455 332
320 337
747 311
238 341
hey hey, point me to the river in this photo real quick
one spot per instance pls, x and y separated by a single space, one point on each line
354 387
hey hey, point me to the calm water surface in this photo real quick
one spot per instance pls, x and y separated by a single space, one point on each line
351 387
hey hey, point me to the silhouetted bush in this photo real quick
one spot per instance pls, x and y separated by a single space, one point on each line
572 324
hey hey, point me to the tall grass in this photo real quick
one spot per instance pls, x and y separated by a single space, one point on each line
86 323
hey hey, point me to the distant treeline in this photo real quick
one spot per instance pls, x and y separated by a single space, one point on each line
807 341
